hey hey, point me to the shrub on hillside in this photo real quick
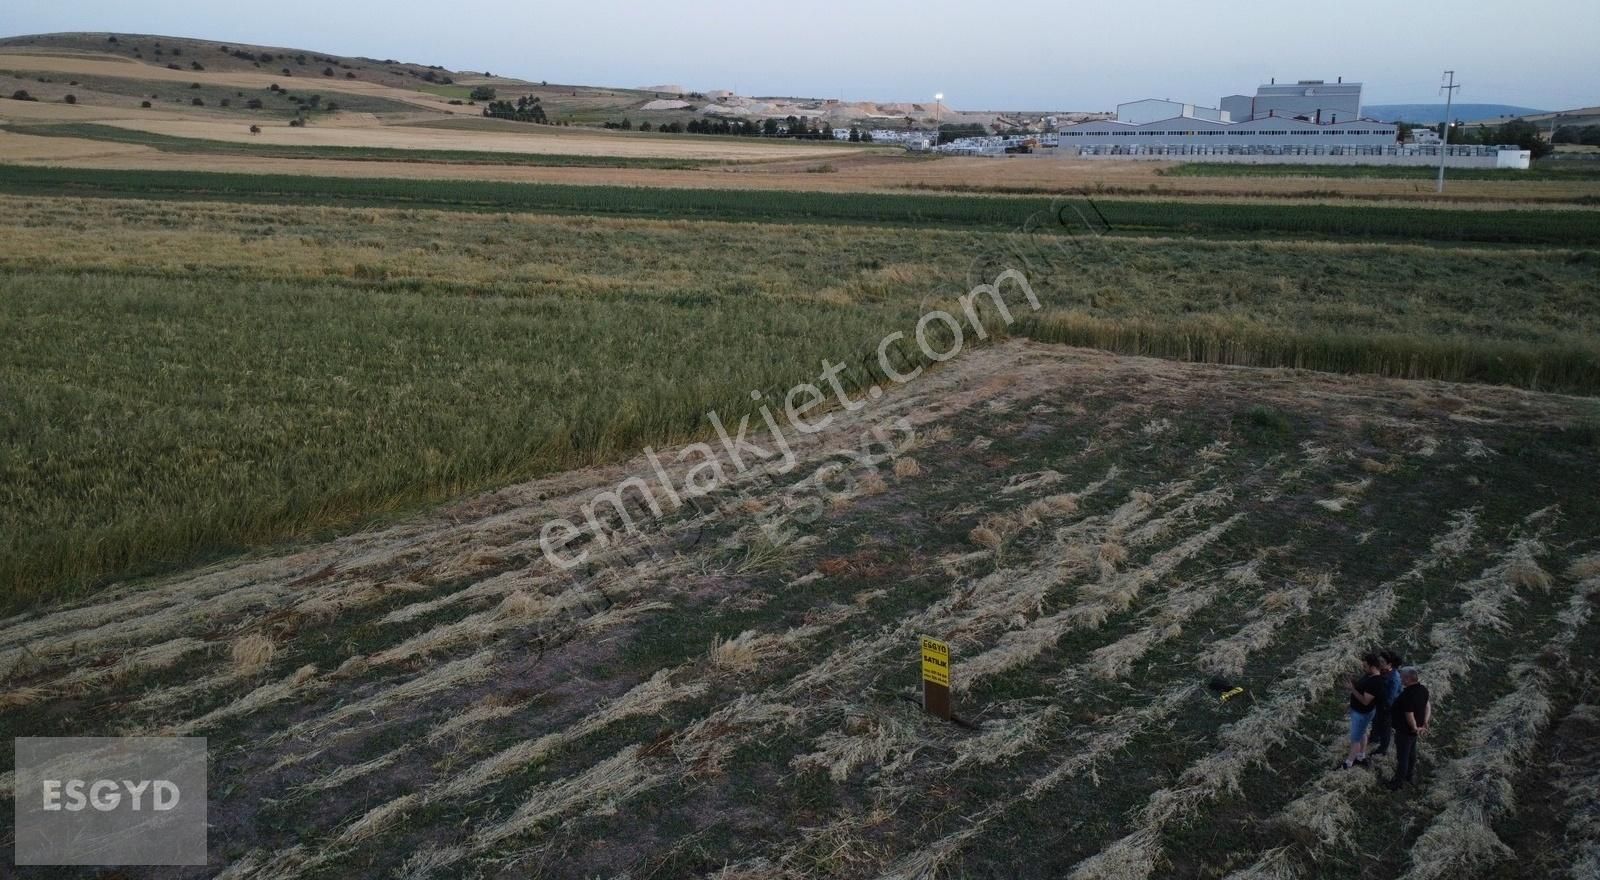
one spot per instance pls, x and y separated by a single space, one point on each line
22 95
71 99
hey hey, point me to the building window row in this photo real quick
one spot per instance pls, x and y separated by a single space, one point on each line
1261 133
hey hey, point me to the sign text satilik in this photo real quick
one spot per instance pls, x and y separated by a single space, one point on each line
936 677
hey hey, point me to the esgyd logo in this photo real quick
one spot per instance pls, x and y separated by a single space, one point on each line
106 795
110 801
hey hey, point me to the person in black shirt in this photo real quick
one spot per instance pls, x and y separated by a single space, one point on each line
1410 715
1364 696
1389 664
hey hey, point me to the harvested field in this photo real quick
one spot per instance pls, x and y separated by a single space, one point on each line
433 699
529 141
1042 174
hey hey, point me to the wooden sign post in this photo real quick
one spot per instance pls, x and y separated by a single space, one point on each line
936 677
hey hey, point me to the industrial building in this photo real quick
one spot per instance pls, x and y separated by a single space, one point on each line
1310 116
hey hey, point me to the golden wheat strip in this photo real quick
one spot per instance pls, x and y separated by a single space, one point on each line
647 698
1176 607
1017 647
149 659
450 675
296 683
615 779
1228 655
176 598
1109 738
48 652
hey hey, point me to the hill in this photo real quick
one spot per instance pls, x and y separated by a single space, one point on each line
1435 112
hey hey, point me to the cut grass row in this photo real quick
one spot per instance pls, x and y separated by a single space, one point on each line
1567 228
171 144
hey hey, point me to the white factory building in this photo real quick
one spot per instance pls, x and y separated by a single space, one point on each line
1310 116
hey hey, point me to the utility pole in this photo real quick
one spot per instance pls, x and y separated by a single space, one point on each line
1449 89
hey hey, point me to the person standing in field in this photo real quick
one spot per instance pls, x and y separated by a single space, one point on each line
1364 693
1411 713
1389 664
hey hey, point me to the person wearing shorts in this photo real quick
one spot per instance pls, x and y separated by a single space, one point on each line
1364 698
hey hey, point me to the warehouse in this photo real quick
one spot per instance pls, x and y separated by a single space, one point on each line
1310 116
1199 132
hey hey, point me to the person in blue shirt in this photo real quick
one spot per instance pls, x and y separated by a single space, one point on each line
1389 664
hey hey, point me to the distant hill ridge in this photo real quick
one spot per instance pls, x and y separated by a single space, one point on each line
1435 112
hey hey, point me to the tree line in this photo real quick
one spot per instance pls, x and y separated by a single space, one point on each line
791 127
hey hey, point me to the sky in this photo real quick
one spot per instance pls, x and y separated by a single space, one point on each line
981 54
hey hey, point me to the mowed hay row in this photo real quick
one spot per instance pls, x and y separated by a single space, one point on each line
1246 742
1176 606
1325 811
1017 647
1083 755
1577 778
1005 739
706 743
1100 743
1475 789
1086 746
641 700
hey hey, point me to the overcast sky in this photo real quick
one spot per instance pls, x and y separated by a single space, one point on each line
983 54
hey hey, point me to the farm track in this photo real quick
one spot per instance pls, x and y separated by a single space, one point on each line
1095 535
